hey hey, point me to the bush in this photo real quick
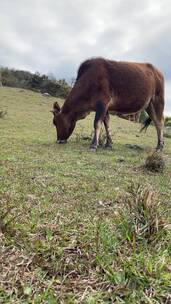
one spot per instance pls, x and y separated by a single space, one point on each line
168 122
143 116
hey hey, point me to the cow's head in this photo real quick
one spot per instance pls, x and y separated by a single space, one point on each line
63 123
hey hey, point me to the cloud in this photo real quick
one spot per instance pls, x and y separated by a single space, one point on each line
55 36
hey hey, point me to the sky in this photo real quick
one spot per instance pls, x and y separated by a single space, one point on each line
55 36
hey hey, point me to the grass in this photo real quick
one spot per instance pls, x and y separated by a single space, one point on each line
77 226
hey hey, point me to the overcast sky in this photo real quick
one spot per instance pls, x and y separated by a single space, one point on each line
54 36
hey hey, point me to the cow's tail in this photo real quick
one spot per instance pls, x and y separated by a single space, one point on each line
146 124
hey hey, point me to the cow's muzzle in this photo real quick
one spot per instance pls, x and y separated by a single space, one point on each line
61 141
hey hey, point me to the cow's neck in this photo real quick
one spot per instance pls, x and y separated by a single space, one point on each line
74 114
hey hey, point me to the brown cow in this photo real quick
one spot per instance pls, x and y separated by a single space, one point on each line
121 87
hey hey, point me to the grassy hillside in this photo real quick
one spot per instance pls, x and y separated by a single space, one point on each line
77 226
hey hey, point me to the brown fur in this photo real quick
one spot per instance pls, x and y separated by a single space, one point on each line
121 87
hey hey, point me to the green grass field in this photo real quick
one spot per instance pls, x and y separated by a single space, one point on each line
78 226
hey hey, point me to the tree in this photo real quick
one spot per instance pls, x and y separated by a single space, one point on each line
36 82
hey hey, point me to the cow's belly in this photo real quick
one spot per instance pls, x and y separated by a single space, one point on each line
127 106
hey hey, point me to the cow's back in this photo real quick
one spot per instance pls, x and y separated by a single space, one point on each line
127 77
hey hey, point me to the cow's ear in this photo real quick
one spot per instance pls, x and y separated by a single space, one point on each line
56 108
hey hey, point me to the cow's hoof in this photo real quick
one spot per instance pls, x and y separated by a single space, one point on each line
108 146
60 141
159 149
93 149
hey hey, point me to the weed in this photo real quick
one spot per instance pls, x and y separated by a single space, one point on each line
155 162
141 217
7 217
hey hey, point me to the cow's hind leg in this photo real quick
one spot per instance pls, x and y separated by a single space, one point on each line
99 117
108 133
156 115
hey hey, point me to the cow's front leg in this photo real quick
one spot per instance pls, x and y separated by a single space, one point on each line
108 133
99 116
